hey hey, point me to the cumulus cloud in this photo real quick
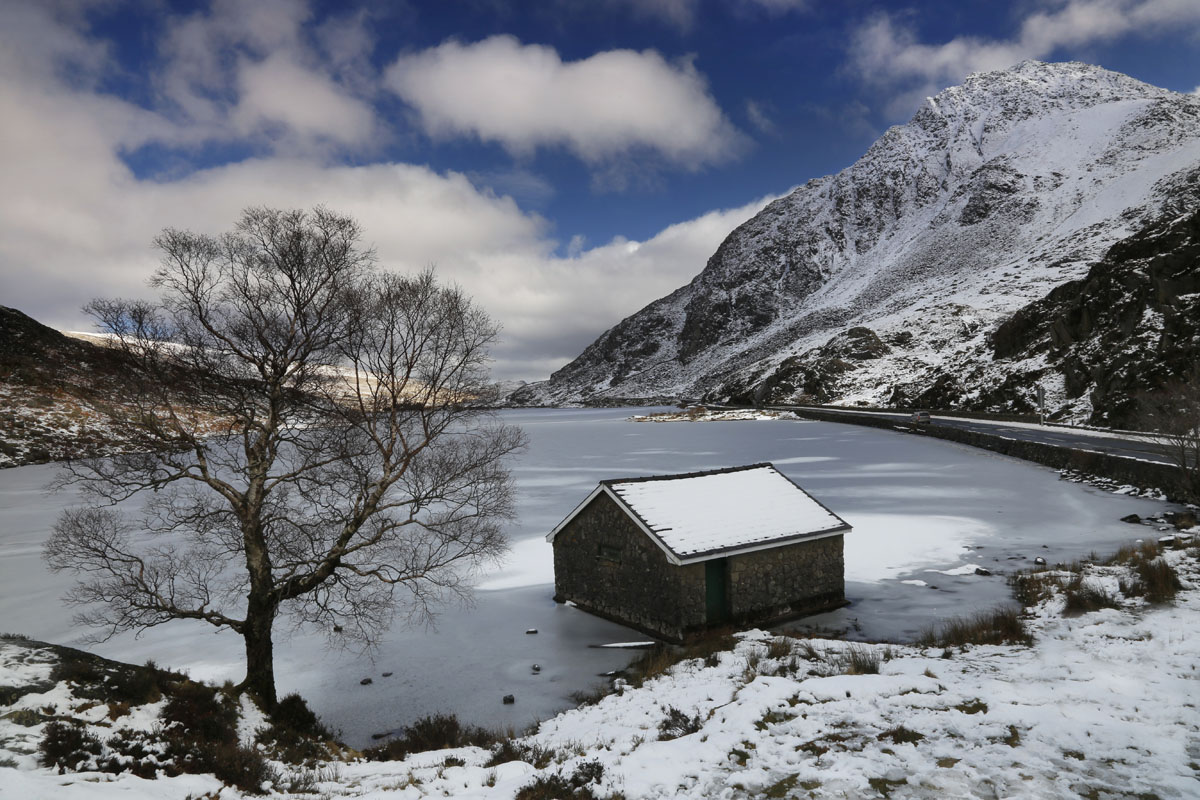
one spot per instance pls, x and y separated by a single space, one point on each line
81 224
564 303
523 97
887 52
303 104
242 70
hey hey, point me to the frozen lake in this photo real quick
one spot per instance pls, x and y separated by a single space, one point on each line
922 510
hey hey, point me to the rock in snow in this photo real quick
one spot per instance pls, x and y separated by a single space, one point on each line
888 282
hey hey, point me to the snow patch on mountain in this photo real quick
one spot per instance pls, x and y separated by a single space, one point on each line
995 192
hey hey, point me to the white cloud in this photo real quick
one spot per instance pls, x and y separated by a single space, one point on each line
1196 91
608 106
307 106
246 69
80 223
885 52
758 115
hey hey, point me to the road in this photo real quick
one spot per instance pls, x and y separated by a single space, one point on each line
1114 443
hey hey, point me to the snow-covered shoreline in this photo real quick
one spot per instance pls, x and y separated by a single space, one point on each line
1102 704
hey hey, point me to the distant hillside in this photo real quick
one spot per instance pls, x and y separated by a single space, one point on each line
886 283
48 386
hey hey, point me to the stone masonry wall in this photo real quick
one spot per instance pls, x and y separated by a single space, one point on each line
788 581
604 563
1126 470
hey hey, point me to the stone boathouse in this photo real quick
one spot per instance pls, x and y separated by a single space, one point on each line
674 555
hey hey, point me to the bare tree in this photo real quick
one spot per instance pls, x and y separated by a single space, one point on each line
1172 414
305 441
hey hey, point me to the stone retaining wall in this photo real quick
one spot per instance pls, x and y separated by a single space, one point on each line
1145 474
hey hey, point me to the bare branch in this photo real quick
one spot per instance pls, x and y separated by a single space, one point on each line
305 442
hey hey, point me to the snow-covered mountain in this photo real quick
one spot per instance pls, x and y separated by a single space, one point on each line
886 282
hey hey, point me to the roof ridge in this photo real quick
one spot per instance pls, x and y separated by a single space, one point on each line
681 475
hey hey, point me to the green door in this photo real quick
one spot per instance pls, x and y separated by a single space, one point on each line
716 591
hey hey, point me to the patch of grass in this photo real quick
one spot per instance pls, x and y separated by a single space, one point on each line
661 657
1158 580
1013 739
1146 550
1082 597
677 724
779 648
24 717
653 662
885 786
999 626
1153 578
772 717
195 712
137 752
95 678
578 786
232 764
509 750
861 660
295 735
975 706
1031 588
819 747
782 788
902 735
435 732
946 762
68 746
589 697
808 651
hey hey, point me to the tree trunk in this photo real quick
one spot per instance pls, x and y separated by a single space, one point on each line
260 652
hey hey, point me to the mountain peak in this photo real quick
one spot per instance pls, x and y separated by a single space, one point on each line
998 190
1031 88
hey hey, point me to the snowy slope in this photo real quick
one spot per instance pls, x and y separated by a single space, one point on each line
995 192
1102 704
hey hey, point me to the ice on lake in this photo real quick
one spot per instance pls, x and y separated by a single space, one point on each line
925 513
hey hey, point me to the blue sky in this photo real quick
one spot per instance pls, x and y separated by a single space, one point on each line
566 161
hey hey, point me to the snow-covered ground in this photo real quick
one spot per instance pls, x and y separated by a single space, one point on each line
916 505
1101 705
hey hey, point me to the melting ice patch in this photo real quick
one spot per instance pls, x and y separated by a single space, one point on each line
884 546
530 562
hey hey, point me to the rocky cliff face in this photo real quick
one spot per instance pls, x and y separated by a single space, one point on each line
1129 326
886 282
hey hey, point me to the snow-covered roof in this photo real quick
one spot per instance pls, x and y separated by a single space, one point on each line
701 515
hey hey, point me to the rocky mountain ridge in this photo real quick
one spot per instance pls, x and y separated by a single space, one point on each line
884 283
